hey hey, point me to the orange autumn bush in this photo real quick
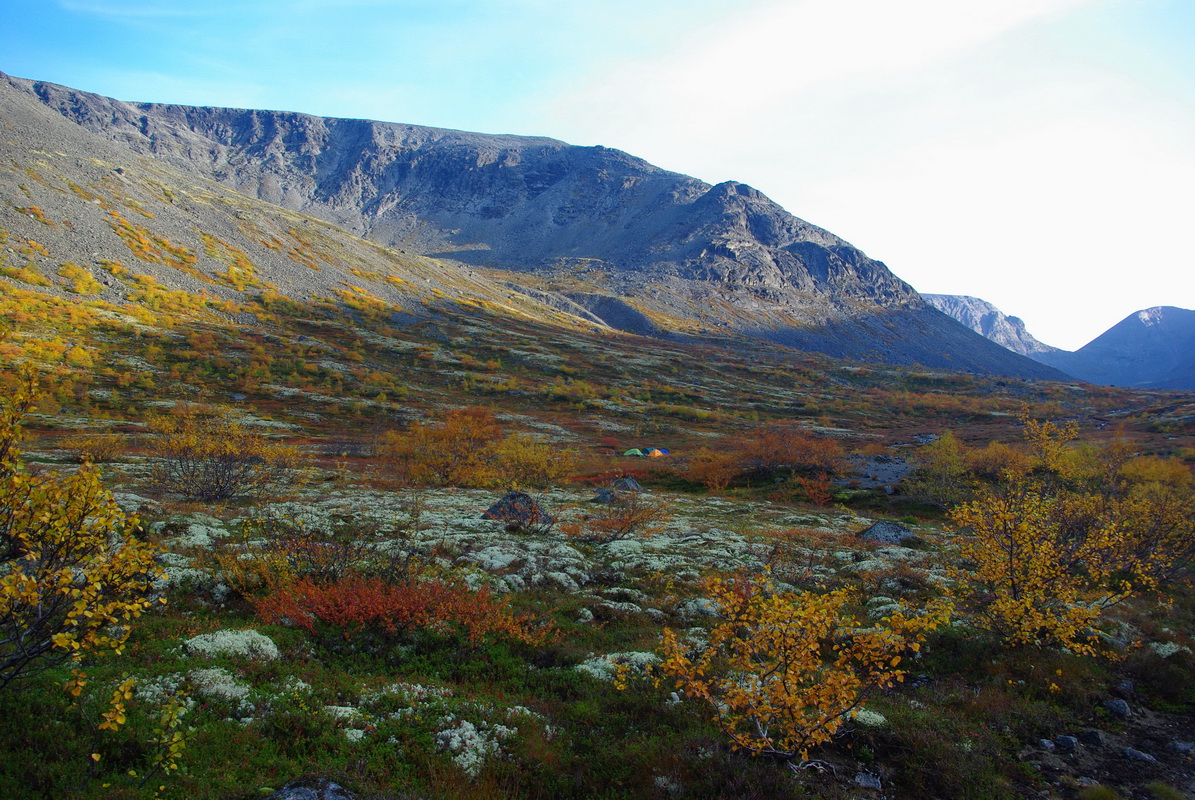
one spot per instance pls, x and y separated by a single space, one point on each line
356 606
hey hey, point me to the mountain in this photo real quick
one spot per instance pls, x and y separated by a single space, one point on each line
1150 349
984 318
586 231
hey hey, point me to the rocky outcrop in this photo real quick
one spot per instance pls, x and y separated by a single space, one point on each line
637 247
498 201
989 321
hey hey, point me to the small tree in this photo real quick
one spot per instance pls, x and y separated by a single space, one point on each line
213 456
943 477
713 469
456 452
627 514
72 573
522 461
782 672
1046 553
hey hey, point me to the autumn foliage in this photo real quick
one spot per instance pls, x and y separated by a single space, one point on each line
357 605
778 450
627 514
782 672
1049 550
468 447
208 454
72 573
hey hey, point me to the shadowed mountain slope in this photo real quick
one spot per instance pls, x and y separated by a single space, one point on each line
1149 349
635 246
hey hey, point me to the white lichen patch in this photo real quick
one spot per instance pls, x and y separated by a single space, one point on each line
870 719
219 684
605 667
244 643
471 744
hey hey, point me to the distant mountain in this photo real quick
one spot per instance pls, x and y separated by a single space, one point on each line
1150 349
984 318
588 231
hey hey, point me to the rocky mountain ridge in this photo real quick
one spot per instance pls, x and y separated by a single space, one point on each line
989 321
581 226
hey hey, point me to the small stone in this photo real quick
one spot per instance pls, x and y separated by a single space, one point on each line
1092 738
1045 744
1066 744
1118 708
1185 748
1125 688
868 781
1137 755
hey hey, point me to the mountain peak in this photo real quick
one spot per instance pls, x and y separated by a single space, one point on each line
987 320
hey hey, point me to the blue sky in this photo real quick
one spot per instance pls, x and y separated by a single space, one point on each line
1037 153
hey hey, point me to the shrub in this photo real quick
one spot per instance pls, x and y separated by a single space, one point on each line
522 461
627 514
453 453
97 447
1048 552
282 545
72 573
783 672
355 605
785 448
942 477
209 455
713 469
467 448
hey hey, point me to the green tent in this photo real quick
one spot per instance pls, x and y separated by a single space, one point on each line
634 451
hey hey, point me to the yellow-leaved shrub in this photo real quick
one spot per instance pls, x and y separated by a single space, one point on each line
207 454
73 575
782 672
1046 552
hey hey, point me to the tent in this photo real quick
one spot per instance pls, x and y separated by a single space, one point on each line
634 451
654 453
518 508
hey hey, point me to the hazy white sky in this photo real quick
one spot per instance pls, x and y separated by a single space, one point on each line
1039 154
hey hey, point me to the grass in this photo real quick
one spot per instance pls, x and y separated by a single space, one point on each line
331 372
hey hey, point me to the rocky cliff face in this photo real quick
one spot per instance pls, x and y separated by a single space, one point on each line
1150 349
989 321
590 226
496 201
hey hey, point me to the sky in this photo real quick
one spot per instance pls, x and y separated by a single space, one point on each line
1039 154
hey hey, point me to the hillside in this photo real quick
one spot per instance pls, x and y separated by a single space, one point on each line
1153 348
591 231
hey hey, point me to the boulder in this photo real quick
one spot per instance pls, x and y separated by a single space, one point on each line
1117 708
312 789
885 532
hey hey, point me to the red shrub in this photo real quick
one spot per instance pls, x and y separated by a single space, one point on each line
355 604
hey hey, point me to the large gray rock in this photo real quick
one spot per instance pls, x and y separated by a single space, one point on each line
886 532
